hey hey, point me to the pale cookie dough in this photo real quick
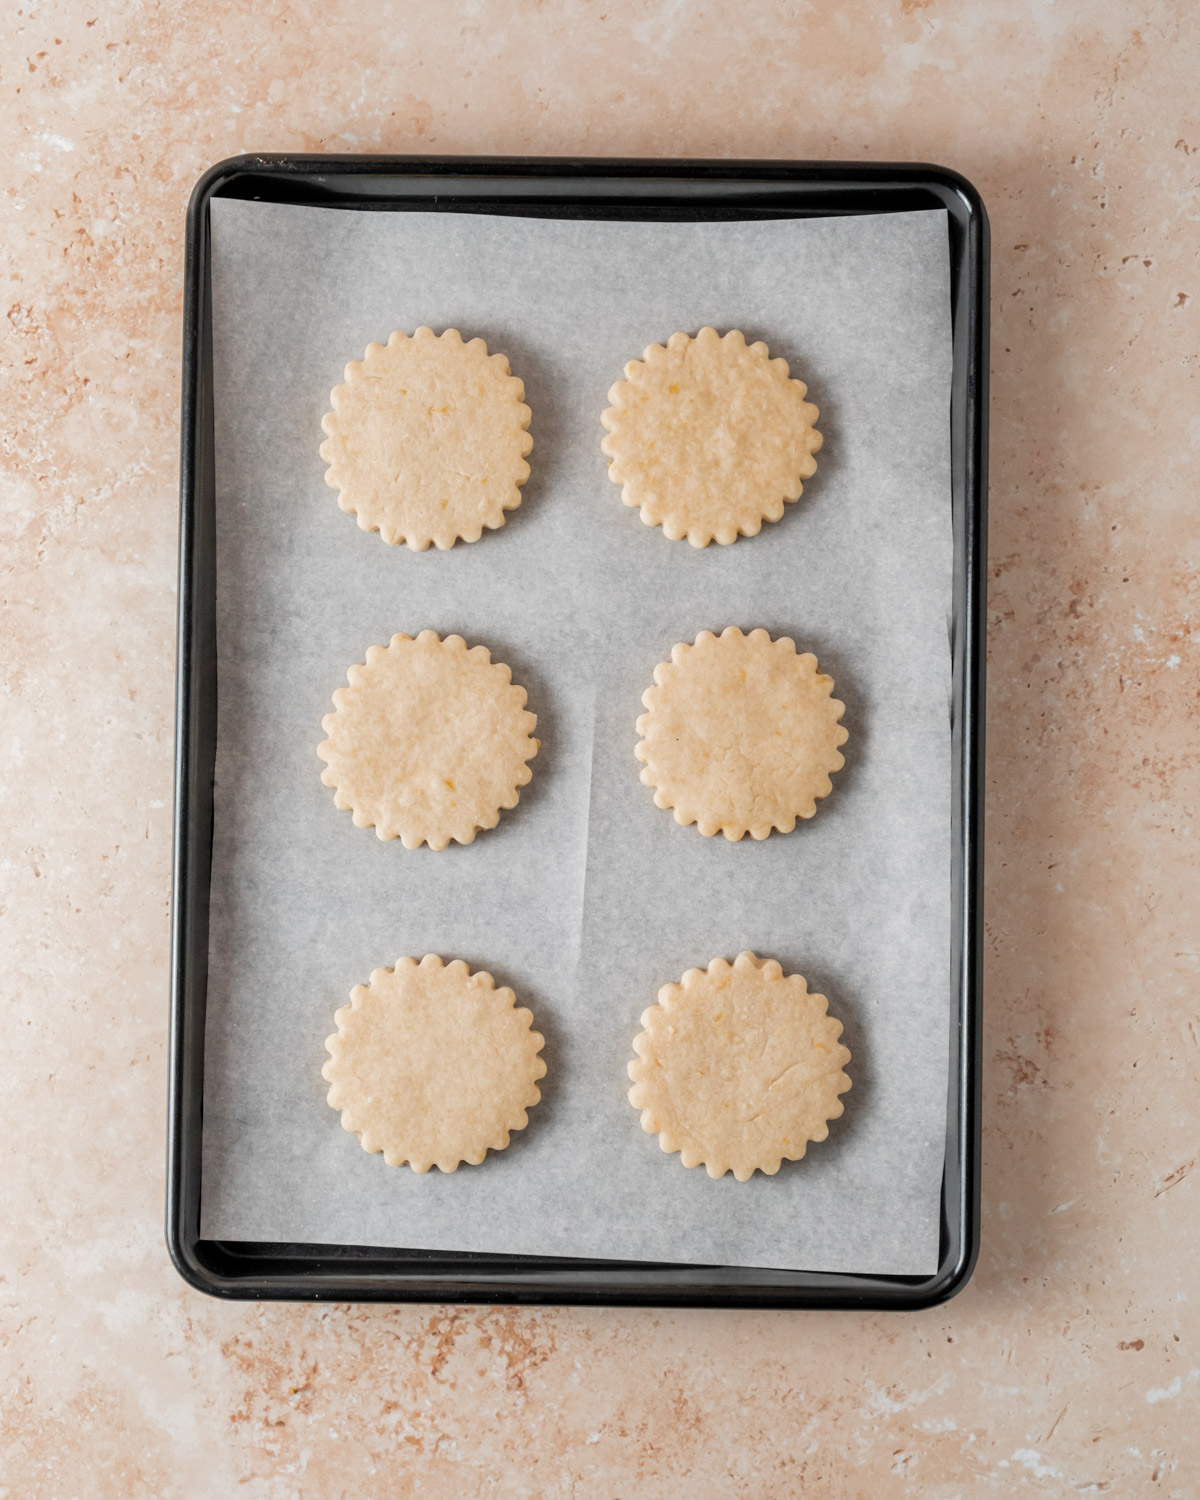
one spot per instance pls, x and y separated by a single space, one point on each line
429 742
426 440
741 734
433 1065
738 1067
709 437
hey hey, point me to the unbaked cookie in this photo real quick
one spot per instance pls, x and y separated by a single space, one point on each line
433 1065
427 439
738 1067
709 437
429 742
740 734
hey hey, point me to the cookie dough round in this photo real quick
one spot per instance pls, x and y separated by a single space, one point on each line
738 1067
429 742
741 734
709 437
427 439
433 1065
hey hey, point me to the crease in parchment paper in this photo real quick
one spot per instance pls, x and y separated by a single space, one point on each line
583 840
585 898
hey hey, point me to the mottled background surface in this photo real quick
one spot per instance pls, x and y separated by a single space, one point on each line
1071 1363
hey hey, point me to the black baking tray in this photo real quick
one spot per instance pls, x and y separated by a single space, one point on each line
600 189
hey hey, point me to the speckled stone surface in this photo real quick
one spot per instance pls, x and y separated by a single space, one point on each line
1071 1364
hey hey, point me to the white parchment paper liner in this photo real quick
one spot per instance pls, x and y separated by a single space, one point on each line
586 898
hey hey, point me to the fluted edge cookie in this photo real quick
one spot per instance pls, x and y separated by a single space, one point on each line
740 734
429 742
709 437
432 1065
738 1068
427 439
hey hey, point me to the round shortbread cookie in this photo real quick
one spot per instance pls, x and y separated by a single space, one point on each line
433 1065
709 437
741 734
429 742
738 1067
427 439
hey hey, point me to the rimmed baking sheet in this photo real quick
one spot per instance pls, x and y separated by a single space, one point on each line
585 898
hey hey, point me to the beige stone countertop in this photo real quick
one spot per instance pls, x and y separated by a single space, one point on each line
1071 1363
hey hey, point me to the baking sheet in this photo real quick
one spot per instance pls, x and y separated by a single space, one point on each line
585 898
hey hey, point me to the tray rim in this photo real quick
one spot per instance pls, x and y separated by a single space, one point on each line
352 1273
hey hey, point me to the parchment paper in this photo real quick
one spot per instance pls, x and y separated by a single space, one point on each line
586 898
